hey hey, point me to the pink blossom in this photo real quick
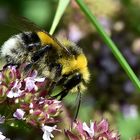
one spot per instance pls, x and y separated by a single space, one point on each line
2 137
95 131
19 114
2 119
24 94
48 132
15 90
30 84
89 130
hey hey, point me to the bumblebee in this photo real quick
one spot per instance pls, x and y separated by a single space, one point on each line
61 61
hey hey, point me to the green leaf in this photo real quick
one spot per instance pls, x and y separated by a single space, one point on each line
59 12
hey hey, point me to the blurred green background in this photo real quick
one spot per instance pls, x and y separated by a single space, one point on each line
110 92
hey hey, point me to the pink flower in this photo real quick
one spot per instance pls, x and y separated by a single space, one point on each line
1 77
2 137
95 131
15 90
102 126
30 82
27 94
2 119
10 74
19 114
89 130
48 132
43 111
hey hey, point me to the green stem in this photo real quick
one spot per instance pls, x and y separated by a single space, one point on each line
62 5
110 44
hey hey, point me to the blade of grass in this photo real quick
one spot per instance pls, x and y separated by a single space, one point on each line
110 44
59 12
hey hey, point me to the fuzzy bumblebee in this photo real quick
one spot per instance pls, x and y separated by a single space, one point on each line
61 61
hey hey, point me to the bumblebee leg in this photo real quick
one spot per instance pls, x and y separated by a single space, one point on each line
28 67
58 68
37 55
63 94
68 85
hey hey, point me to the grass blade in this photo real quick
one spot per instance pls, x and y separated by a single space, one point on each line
59 12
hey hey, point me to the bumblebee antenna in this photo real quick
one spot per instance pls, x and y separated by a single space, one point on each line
79 97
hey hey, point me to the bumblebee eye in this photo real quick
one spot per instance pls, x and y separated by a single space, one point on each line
31 37
33 47
31 41
26 38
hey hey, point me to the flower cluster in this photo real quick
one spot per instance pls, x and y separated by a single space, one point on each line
96 131
29 101
26 94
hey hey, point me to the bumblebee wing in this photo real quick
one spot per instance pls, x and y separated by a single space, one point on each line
24 24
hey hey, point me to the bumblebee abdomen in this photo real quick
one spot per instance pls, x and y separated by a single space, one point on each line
13 49
19 48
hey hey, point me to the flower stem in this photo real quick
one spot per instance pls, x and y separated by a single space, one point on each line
110 44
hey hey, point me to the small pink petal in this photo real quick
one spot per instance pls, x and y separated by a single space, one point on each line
89 130
30 84
48 132
2 119
2 137
15 90
71 136
38 79
102 126
19 114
